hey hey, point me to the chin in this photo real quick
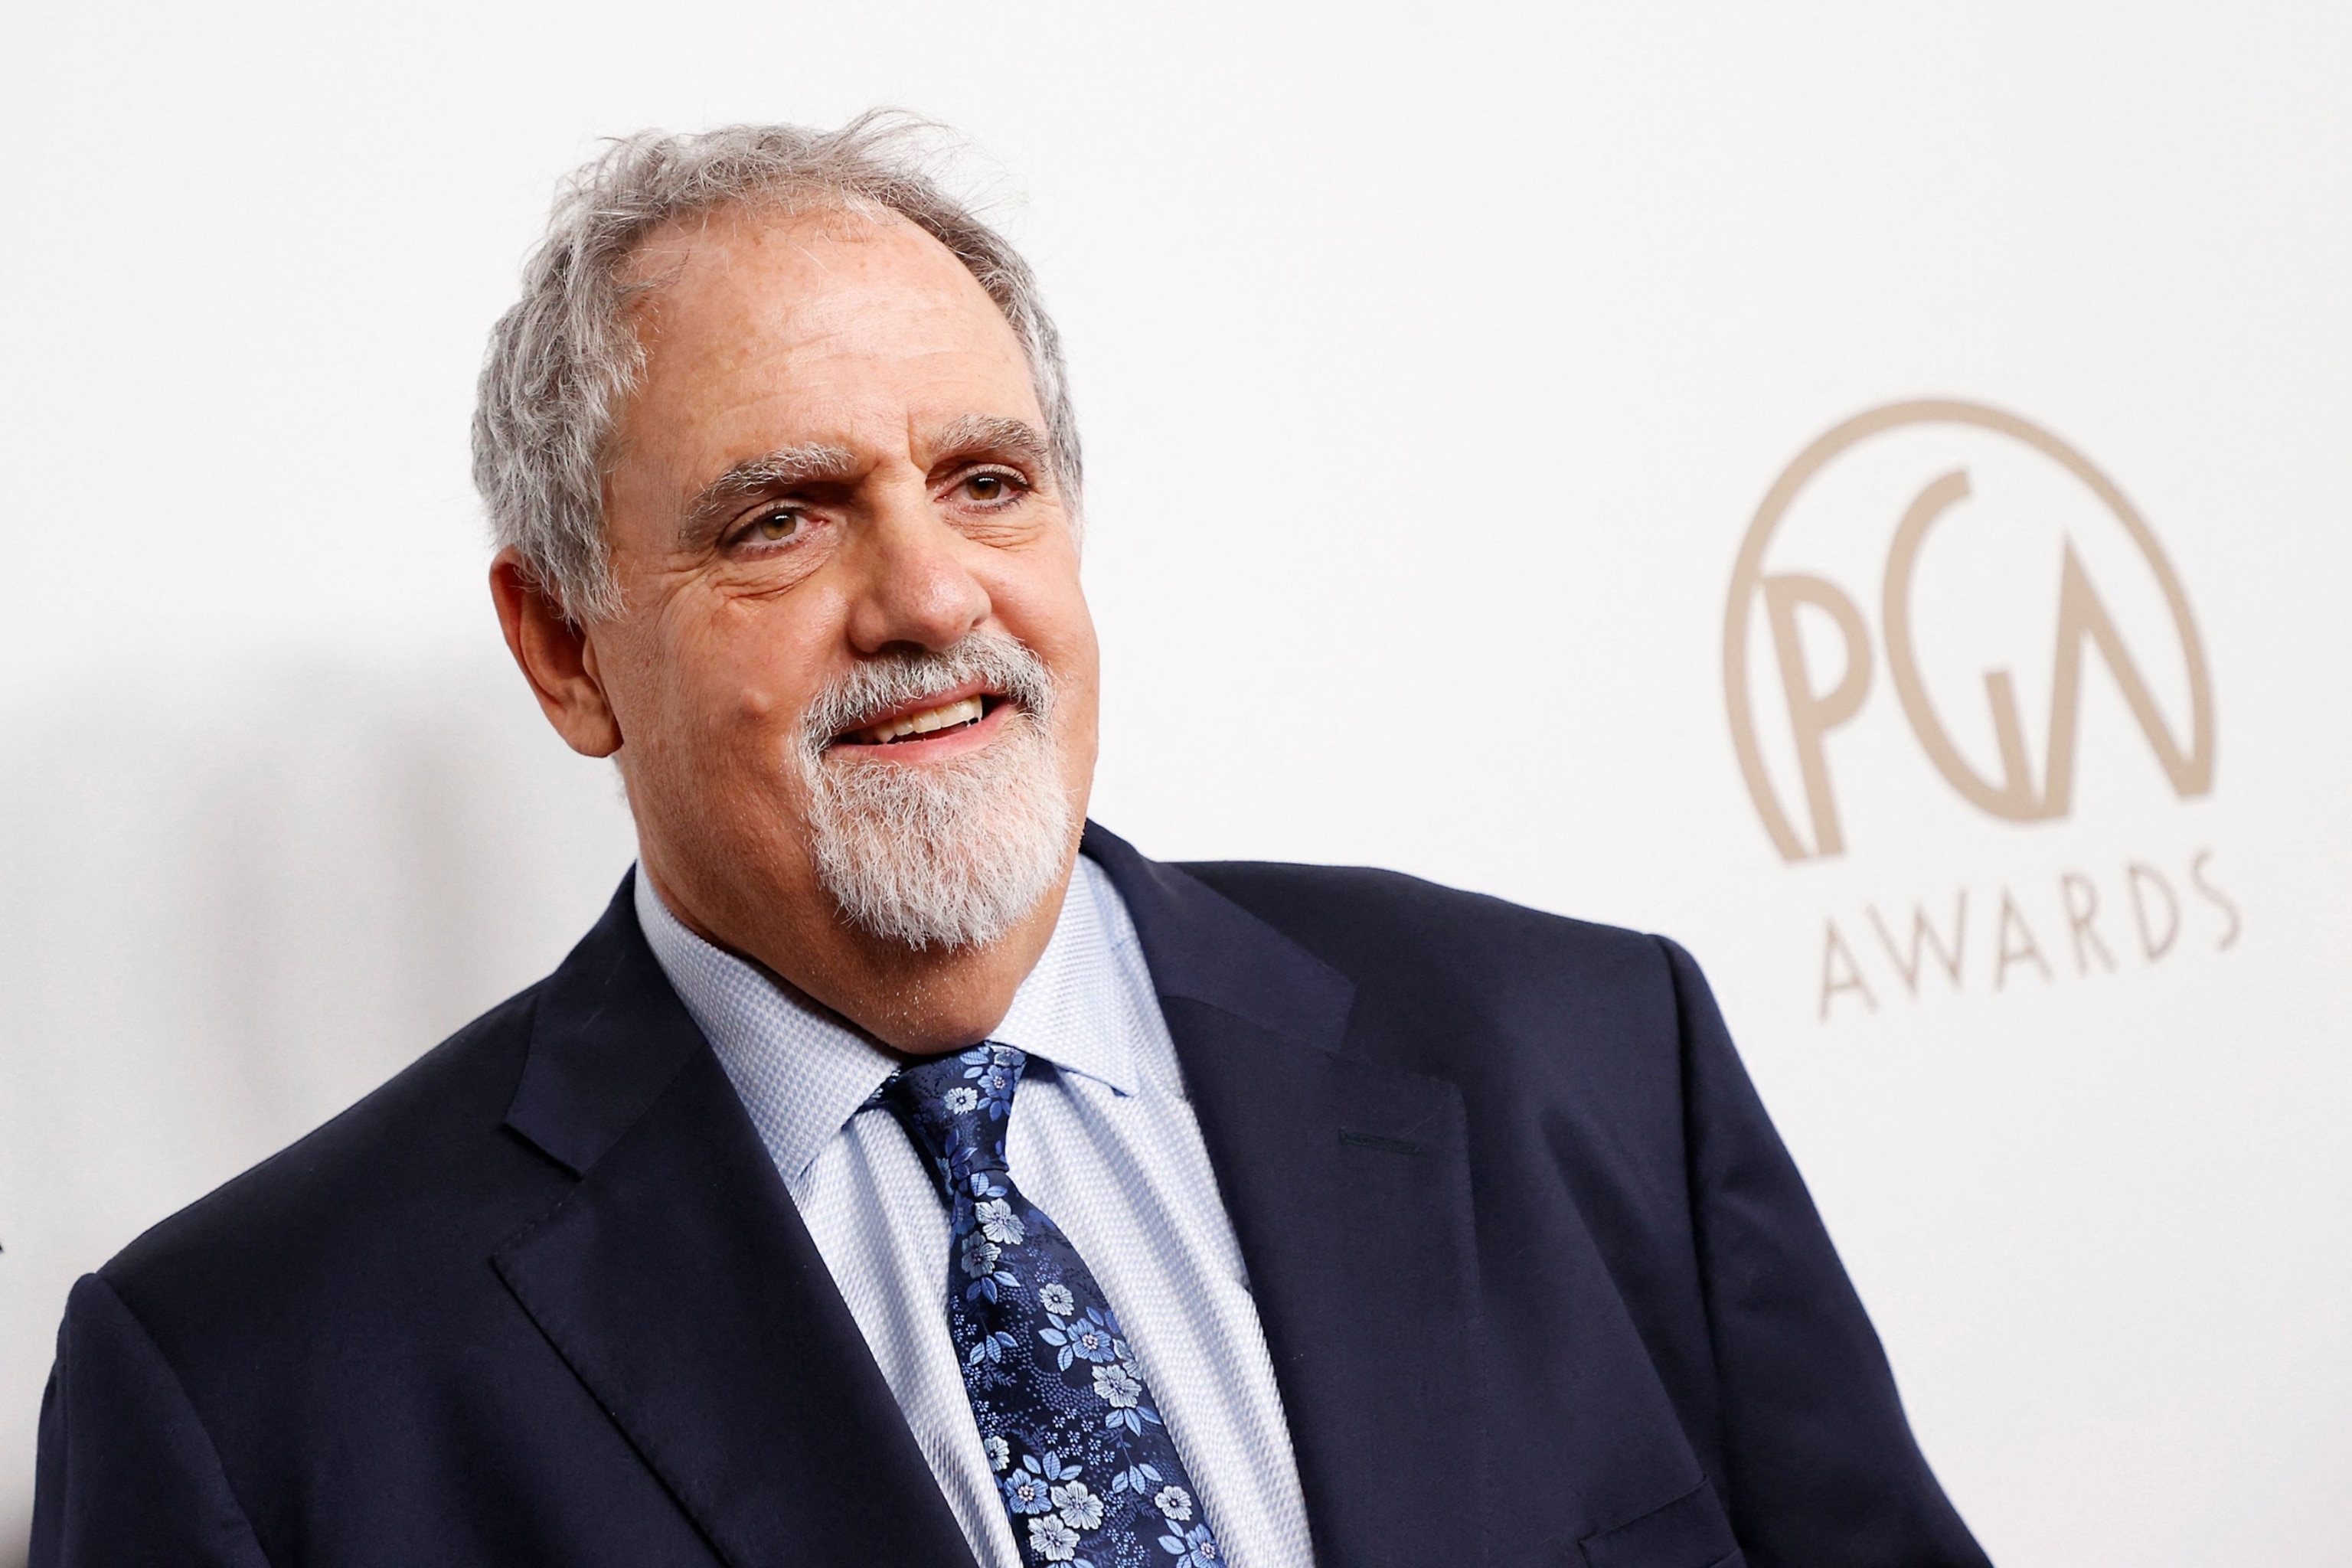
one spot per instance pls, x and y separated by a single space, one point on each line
948 852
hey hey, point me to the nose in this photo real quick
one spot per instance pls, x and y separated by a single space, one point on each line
913 588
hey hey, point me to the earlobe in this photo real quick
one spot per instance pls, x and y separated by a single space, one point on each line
556 655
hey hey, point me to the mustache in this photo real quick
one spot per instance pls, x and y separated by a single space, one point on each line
873 687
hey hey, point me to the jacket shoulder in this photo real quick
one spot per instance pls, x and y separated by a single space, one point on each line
422 1156
1532 1015
1376 926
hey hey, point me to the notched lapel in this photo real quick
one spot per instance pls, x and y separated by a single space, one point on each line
607 1036
1348 1187
678 1283
1349 1192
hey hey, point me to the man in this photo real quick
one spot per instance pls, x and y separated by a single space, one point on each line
905 1171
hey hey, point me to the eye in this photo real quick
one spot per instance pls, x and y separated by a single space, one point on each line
773 526
991 488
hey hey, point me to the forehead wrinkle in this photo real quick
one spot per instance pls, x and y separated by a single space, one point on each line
766 474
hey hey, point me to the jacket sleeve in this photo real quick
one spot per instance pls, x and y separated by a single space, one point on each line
1821 1466
128 1476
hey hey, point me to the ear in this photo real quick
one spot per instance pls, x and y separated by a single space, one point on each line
556 656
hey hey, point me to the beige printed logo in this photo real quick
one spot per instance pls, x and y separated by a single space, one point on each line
1991 554
2017 786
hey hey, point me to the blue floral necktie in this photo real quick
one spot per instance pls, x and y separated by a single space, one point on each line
1084 1465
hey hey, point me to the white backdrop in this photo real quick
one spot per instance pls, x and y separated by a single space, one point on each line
1433 363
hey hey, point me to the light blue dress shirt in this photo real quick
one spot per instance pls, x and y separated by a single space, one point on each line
1102 1138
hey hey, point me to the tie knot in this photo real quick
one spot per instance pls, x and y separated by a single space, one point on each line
957 1106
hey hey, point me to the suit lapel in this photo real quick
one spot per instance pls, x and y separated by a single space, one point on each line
679 1285
1348 1183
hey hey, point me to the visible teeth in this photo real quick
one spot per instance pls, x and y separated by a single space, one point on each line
953 714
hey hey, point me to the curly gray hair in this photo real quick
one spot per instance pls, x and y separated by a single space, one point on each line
563 358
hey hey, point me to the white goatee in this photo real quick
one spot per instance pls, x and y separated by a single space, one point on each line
949 854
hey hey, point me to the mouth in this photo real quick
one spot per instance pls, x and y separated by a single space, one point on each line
926 722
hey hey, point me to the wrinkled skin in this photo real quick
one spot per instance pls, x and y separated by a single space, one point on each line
934 516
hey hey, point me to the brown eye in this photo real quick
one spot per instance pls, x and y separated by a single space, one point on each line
777 526
986 487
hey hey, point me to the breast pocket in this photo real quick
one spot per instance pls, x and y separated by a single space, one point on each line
1688 1532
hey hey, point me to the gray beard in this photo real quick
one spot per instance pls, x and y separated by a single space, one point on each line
947 855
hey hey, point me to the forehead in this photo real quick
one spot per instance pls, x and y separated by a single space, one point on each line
753 317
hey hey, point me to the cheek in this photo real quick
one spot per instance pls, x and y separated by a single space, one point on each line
1039 600
1078 655
739 680
1062 631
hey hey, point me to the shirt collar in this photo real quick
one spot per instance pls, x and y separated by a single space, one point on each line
1073 1010
802 1072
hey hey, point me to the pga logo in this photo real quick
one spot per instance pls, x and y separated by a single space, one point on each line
1988 574
1907 468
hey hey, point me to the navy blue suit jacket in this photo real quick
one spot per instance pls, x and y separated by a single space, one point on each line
1539 1282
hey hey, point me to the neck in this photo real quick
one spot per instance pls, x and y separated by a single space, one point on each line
919 1003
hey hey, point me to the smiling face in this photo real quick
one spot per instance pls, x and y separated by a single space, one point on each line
854 679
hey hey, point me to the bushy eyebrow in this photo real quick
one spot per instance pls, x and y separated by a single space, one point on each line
769 474
993 436
788 468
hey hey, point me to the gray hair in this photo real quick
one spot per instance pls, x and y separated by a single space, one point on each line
561 361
